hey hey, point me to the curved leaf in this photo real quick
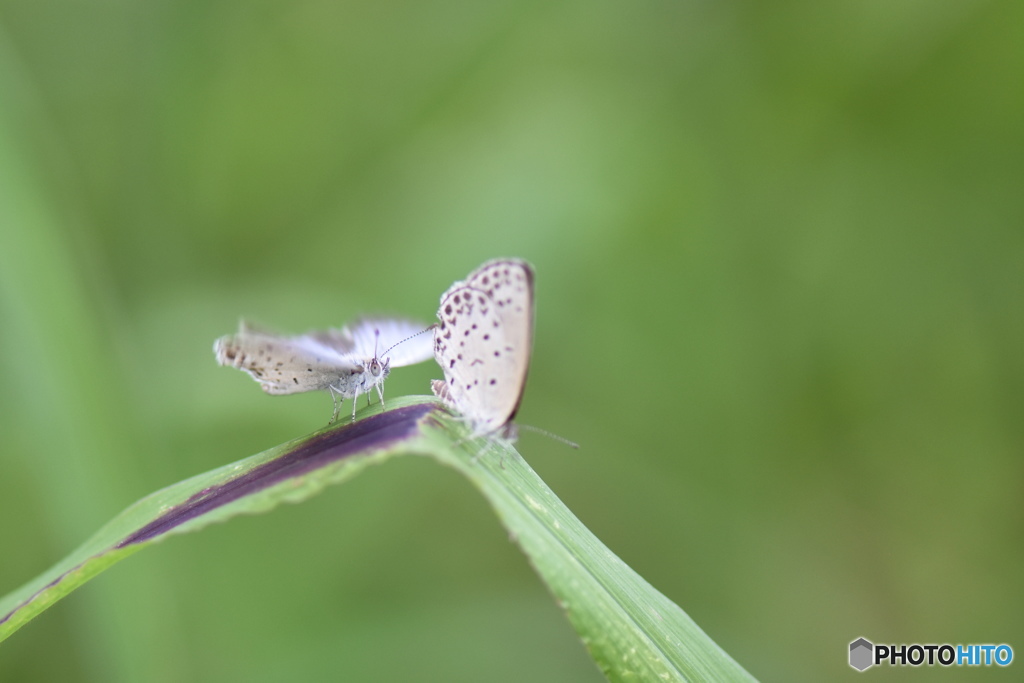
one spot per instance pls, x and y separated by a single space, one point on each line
631 630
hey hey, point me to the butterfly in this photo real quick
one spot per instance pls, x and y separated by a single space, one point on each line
343 362
483 345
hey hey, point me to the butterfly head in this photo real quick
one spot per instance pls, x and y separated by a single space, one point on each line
378 370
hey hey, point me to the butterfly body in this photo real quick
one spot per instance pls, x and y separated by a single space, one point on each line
343 362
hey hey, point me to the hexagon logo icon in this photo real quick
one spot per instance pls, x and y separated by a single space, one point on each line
861 651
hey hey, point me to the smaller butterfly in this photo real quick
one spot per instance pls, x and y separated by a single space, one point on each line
483 345
343 362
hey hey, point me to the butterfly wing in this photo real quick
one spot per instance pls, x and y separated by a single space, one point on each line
509 283
481 351
375 337
284 365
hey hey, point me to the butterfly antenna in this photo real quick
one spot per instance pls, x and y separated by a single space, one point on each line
411 336
556 437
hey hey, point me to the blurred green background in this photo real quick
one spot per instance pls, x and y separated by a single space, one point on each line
780 303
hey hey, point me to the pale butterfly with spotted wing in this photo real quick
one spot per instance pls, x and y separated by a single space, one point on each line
343 362
483 344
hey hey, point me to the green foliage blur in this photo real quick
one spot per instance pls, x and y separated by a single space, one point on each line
780 304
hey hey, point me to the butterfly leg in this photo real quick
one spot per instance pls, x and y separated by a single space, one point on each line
380 392
355 402
483 448
337 406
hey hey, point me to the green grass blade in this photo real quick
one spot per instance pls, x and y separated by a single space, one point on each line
291 472
631 630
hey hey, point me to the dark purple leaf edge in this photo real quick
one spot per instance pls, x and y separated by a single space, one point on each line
372 433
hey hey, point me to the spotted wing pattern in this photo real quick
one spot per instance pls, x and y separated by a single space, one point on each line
483 343
284 365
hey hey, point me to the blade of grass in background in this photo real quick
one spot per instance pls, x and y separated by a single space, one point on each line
631 630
